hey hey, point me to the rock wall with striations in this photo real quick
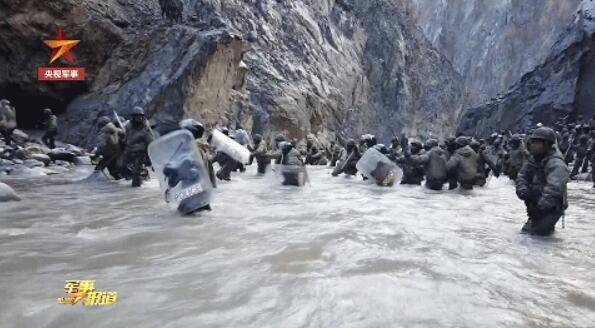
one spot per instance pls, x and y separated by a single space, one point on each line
493 43
332 67
561 86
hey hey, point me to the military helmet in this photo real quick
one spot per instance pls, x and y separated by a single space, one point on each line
257 138
279 138
285 146
193 126
4 102
103 121
381 148
47 111
431 143
544 133
395 140
415 142
138 111
462 141
516 138
476 145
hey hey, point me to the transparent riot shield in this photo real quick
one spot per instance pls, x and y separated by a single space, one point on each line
225 144
375 165
183 178
242 137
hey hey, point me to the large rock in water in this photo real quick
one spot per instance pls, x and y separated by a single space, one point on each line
562 86
330 67
7 194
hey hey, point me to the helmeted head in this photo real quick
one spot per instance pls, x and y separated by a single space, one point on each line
4 102
370 140
416 146
103 121
350 145
225 131
47 111
257 138
395 142
515 141
462 141
138 116
194 126
381 148
431 143
475 145
285 147
541 141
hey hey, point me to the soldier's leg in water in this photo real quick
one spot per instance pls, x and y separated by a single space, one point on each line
585 167
593 170
545 222
480 181
434 184
531 215
577 165
137 167
466 185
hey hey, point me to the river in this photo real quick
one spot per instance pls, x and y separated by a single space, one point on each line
337 253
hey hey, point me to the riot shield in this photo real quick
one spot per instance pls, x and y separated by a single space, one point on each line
179 166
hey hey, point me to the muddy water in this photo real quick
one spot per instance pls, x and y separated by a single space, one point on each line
339 253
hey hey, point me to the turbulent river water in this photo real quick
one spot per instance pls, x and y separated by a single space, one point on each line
337 253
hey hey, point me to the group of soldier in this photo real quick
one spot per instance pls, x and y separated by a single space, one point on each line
536 161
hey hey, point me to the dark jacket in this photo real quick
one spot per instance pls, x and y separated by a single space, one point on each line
138 139
545 181
463 164
434 163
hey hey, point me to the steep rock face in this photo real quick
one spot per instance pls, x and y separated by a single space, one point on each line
492 44
330 67
561 86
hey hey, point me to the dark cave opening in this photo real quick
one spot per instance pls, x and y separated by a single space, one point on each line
29 105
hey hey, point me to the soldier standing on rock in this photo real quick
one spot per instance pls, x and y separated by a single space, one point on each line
50 123
541 183
138 137
8 121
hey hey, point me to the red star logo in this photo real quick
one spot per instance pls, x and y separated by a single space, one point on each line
61 47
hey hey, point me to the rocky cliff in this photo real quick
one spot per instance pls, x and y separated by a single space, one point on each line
493 43
562 85
332 67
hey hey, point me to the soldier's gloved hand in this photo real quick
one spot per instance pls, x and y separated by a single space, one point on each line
523 193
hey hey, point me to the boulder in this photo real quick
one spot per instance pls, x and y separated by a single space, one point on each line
18 161
20 137
61 154
45 159
31 163
8 194
75 150
82 160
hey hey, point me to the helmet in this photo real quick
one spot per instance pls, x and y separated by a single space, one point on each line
193 126
103 121
285 146
415 143
462 141
431 143
225 131
47 111
350 144
475 145
257 138
395 140
4 102
544 133
381 148
279 138
516 138
138 111
370 140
